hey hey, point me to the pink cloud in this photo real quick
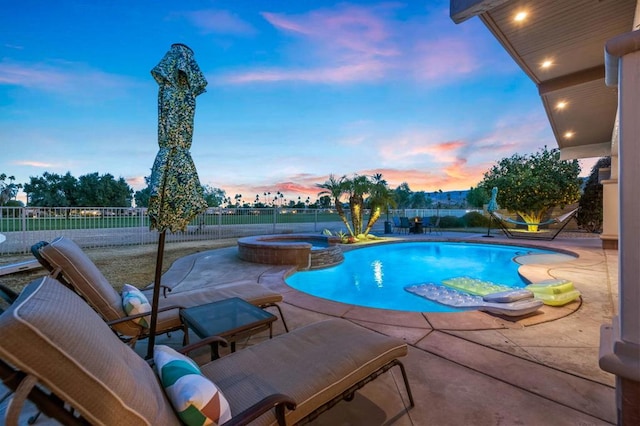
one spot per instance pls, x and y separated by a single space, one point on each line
444 59
220 22
35 164
136 182
363 71
353 28
364 43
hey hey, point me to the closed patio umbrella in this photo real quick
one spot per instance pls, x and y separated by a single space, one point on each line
492 207
176 193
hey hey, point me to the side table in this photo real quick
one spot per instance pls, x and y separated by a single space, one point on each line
232 319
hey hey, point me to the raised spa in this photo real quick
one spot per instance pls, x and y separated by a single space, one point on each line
305 251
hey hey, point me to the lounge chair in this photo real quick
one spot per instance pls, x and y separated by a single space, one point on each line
560 220
55 351
70 265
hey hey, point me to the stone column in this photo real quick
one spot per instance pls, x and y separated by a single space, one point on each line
620 341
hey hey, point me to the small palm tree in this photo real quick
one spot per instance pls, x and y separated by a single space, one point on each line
381 198
336 188
357 188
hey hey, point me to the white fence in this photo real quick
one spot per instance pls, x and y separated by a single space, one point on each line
22 227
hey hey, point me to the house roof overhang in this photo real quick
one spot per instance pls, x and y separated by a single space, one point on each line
560 46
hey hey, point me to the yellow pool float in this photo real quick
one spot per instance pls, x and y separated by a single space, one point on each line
475 286
554 292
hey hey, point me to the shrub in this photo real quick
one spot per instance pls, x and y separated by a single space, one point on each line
475 220
451 222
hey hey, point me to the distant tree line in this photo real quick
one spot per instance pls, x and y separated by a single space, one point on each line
529 185
90 190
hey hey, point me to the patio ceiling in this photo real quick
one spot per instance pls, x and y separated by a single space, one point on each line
560 46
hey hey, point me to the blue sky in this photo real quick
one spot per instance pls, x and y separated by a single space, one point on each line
297 90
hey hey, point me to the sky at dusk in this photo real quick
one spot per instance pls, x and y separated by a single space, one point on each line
297 90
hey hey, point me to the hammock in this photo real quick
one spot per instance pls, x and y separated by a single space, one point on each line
501 219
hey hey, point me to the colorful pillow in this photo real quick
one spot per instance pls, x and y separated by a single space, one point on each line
194 397
134 302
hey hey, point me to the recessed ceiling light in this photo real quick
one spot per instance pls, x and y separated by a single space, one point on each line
520 16
568 135
546 64
561 105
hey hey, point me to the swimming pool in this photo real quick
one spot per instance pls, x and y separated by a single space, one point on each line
376 276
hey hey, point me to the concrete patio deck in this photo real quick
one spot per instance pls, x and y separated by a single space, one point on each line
464 368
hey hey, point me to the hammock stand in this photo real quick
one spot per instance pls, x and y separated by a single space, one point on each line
563 219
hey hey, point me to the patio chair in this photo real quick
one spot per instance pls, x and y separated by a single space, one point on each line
70 265
433 225
58 353
405 224
396 223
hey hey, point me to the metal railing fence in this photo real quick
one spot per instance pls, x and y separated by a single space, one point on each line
22 227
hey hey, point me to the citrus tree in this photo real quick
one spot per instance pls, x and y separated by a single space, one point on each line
532 184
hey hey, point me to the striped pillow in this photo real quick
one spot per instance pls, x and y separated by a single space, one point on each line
194 397
134 302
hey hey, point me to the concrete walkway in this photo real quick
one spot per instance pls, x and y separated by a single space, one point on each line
464 368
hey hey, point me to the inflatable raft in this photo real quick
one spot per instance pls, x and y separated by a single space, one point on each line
457 299
501 293
555 292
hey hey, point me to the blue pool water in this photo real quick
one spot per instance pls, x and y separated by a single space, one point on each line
315 243
376 276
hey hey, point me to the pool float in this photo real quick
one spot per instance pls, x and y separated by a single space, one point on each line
554 292
491 291
457 299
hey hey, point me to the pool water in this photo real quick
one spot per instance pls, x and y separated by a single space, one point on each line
376 276
315 243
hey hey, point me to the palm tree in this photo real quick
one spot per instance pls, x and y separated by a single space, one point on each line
357 188
335 188
381 198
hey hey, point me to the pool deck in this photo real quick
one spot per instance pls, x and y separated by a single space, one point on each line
464 368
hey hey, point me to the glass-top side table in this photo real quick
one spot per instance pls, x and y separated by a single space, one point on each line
232 319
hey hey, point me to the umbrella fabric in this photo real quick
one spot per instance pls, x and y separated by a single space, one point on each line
176 194
493 204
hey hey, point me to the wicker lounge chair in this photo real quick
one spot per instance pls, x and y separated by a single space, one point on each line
70 265
55 351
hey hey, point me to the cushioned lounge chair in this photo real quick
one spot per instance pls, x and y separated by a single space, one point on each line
55 348
70 265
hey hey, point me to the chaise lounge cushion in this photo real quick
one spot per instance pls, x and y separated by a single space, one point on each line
108 383
64 255
312 365
51 333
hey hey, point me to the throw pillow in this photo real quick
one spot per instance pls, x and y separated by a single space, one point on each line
194 397
135 302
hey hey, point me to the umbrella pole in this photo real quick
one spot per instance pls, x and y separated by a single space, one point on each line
156 295
489 227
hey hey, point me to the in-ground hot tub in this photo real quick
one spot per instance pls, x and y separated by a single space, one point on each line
305 251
